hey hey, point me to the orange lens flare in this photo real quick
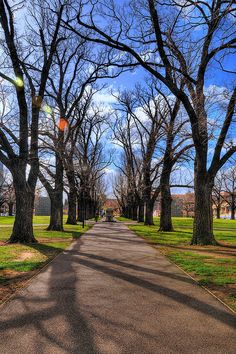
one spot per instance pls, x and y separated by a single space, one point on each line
63 124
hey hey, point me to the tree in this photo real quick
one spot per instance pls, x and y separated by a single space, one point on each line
125 136
229 185
147 33
90 161
25 64
69 79
217 193
161 137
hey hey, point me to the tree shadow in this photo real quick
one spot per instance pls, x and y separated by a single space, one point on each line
137 267
50 307
53 312
187 300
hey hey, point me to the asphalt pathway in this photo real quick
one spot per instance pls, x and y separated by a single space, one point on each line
111 293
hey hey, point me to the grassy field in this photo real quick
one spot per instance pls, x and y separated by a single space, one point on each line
9 220
212 266
18 263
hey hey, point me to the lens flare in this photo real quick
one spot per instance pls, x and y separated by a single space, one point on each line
63 124
19 82
47 109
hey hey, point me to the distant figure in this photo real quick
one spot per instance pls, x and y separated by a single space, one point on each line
96 216
109 215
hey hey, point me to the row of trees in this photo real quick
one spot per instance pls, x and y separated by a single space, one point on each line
224 191
153 132
7 194
53 62
51 129
184 46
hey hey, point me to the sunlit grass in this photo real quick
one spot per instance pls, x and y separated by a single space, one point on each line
25 258
211 266
9 220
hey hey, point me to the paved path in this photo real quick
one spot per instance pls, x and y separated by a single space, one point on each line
112 293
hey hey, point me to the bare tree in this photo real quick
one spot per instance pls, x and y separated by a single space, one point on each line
25 64
90 161
169 39
217 193
229 185
153 122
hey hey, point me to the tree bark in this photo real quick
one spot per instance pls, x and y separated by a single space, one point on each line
218 212
166 200
80 208
56 197
71 219
165 216
203 216
72 199
141 212
149 213
23 225
10 209
233 207
135 212
56 217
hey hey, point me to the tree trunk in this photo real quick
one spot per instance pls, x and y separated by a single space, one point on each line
233 207
23 225
166 200
79 209
10 209
134 212
149 213
71 219
141 212
203 218
56 217
56 196
72 195
218 212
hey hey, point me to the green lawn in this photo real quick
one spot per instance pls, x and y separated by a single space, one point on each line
211 266
188 222
18 262
9 220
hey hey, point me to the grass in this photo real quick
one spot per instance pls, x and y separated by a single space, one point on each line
9 220
212 266
19 262
188 222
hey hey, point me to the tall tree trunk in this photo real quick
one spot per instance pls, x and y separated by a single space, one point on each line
72 199
129 212
218 212
166 200
10 209
149 213
233 207
165 216
135 212
56 217
141 211
56 196
79 209
203 216
23 225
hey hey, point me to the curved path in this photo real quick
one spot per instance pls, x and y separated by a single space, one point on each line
111 293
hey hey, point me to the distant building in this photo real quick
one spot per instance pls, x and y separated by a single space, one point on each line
42 206
225 205
113 204
182 205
